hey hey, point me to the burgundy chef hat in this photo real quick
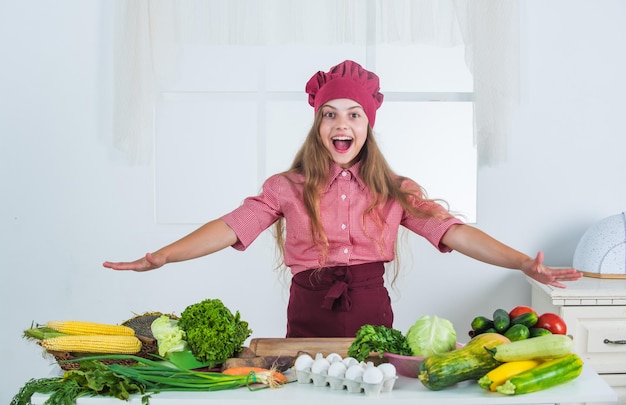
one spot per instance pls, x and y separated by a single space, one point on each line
346 80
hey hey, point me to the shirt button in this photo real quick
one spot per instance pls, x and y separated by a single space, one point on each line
344 174
343 196
345 251
343 226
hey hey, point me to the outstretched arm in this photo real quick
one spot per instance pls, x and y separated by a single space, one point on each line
209 238
476 244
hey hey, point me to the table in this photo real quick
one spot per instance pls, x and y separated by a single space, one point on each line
588 387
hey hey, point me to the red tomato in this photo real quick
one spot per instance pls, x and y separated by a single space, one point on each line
519 310
553 323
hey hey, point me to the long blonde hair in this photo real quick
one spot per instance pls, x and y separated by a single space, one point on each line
313 162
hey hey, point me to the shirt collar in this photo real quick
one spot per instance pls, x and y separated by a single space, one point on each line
336 170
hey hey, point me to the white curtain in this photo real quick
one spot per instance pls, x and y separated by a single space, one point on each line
148 31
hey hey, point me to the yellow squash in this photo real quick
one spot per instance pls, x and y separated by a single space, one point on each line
504 371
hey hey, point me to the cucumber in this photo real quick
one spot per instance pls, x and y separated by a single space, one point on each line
490 330
517 332
529 319
501 320
540 347
545 375
534 332
481 324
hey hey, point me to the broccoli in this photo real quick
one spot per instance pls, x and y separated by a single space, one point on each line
214 334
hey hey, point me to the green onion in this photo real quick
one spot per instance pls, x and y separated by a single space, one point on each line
165 376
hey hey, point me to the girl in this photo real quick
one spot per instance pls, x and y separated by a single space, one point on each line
337 212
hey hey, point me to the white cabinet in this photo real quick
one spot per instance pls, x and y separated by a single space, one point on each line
595 313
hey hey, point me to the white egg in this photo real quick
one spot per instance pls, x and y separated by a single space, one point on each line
320 366
354 372
337 369
373 375
303 362
333 357
388 369
350 361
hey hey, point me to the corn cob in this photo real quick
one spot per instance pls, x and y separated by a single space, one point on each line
93 344
89 328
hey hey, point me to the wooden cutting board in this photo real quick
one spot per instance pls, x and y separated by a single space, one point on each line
293 346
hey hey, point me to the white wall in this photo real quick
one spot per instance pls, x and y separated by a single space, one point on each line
70 201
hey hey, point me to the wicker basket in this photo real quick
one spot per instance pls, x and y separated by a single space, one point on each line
64 359
141 325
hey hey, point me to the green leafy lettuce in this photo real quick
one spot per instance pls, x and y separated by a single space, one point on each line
214 333
170 337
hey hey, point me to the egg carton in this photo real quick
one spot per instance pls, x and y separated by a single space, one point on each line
353 385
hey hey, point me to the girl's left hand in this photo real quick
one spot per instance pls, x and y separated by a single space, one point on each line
534 269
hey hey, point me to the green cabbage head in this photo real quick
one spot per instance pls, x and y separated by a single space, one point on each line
431 335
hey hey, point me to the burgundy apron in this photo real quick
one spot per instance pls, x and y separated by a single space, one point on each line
337 301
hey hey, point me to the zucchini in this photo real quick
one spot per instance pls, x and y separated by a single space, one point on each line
540 347
548 374
517 332
501 320
503 372
470 362
529 319
481 324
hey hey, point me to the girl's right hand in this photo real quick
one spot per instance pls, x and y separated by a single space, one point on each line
146 263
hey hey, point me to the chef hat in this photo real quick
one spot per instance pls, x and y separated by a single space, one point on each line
346 80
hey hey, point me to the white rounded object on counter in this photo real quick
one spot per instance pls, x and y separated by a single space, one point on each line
355 372
601 251
388 369
337 369
320 366
350 361
373 375
303 362
333 357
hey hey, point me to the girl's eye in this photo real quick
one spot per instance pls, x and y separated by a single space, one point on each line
355 115
329 114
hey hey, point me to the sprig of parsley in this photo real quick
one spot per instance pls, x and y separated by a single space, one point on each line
372 338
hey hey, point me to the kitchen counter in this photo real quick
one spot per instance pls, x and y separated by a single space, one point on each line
588 387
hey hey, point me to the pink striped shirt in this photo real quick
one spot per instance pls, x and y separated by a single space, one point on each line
351 241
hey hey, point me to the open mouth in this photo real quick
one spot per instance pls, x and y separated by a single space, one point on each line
342 143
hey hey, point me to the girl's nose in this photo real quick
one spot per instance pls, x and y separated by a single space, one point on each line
342 123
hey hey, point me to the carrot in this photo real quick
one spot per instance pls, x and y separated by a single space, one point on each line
264 374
